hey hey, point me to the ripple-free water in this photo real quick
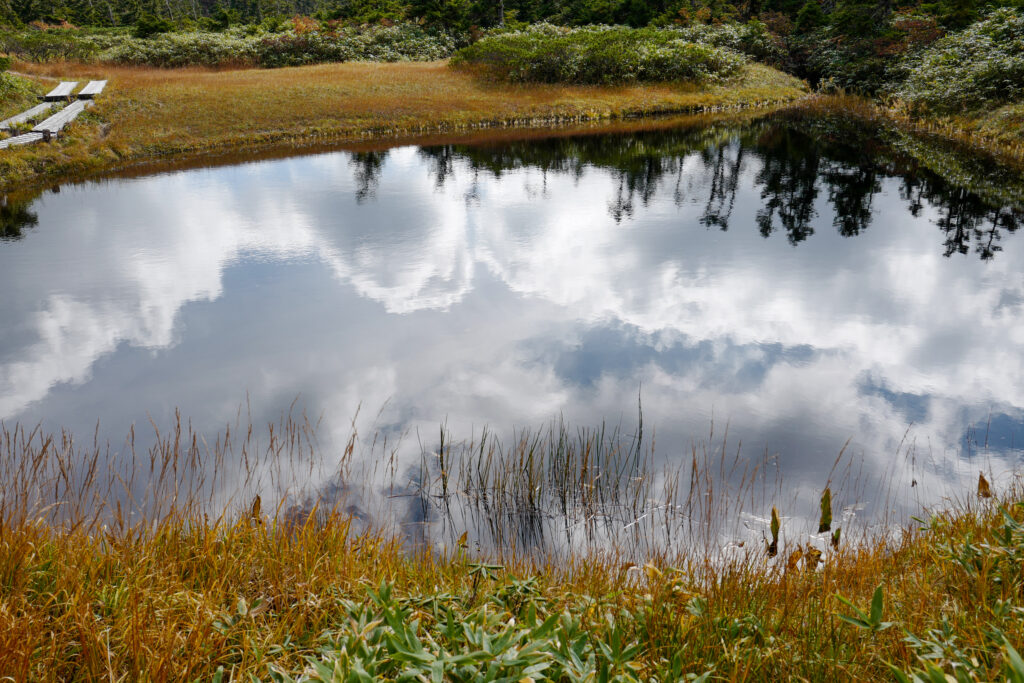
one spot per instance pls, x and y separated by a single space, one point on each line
800 295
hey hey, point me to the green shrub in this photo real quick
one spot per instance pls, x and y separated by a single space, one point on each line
17 93
982 65
148 25
401 42
198 48
241 46
597 55
33 45
14 88
751 39
5 63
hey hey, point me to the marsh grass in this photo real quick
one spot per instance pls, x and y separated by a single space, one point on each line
17 94
996 134
157 114
196 560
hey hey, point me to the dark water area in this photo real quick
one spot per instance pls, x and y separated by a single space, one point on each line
782 291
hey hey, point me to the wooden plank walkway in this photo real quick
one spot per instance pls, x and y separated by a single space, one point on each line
21 140
91 90
61 92
56 123
26 115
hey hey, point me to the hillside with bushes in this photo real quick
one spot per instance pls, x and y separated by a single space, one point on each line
913 52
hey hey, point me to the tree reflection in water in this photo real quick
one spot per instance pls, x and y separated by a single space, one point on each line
368 166
792 166
15 218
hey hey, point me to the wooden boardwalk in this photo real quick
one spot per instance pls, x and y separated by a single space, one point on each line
56 123
21 140
24 116
61 92
91 90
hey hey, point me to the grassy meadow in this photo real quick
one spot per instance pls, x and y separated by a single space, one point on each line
88 594
149 114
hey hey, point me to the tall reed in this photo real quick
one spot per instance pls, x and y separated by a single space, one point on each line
255 556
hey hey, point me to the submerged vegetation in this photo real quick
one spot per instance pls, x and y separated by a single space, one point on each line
91 590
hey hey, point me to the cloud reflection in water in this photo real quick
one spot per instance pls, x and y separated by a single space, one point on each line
802 294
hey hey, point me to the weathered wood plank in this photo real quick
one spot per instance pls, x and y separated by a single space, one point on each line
61 92
26 115
91 90
56 123
21 140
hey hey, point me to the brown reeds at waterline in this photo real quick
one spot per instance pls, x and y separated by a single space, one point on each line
90 591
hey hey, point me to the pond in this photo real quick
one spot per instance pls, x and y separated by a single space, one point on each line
824 303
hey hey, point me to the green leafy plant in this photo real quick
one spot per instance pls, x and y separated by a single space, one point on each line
825 520
870 620
773 547
148 25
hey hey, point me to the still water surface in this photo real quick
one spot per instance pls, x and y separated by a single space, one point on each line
808 294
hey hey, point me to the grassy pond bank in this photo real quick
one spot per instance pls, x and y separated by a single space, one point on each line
157 118
265 593
150 114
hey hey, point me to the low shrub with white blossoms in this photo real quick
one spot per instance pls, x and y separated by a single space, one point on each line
751 39
543 53
199 48
400 42
981 66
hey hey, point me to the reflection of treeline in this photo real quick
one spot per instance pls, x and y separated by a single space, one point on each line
791 162
976 200
15 217
641 162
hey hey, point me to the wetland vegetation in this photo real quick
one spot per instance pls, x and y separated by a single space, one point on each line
154 115
90 591
571 553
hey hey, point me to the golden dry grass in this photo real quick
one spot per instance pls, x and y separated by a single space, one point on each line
149 114
164 604
84 597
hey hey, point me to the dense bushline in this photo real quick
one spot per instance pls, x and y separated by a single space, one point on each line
939 58
296 43
861 46
863 18
599 54
657 54
982 65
